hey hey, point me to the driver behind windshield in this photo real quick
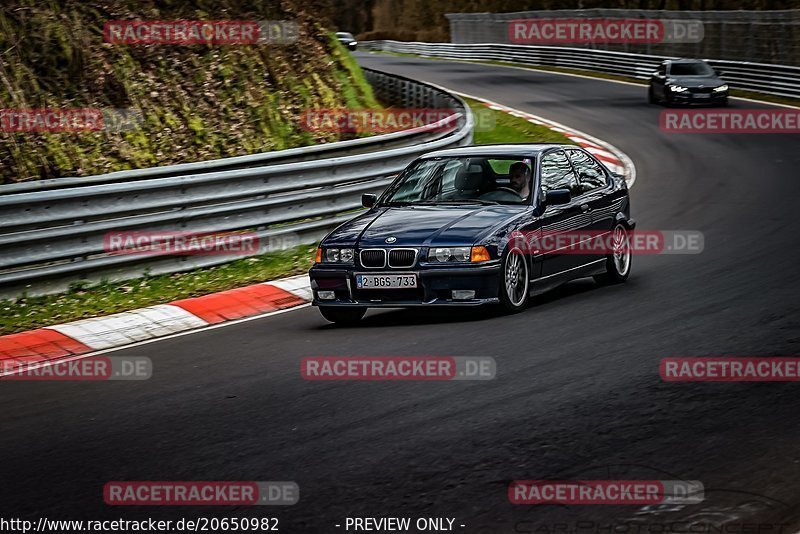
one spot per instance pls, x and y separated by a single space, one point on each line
520 175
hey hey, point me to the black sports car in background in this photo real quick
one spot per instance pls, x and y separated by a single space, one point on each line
347 40
466 226
687 81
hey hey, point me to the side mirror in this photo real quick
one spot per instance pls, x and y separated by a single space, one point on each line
718 72
557 196
368 200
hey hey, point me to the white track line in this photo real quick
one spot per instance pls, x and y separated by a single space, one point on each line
129 327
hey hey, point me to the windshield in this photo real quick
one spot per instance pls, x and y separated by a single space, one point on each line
344 35
690 69
461 180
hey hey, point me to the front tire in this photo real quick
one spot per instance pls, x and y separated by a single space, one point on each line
345 316
618 263
651 96
514 281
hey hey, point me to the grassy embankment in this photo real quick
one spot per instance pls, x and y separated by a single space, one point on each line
197 102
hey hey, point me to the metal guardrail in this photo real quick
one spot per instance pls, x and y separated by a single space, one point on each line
51 238
779 80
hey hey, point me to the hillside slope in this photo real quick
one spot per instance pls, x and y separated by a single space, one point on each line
197 102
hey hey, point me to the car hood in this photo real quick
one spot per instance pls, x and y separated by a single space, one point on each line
424 225
696 81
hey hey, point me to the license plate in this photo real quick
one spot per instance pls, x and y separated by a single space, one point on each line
386 281
702 95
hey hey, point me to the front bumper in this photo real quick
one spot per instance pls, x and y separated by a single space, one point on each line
699 99
434 286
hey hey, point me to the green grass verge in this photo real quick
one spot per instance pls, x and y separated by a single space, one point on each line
492 126
114 297
605 76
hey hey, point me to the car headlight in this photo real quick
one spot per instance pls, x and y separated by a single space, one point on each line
677 88
721 88
338 255
446 254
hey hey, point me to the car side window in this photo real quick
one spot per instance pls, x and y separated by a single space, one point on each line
591 175
557 173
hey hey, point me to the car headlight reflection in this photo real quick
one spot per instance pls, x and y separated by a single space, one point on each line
447 254
677 88
721 88
339 255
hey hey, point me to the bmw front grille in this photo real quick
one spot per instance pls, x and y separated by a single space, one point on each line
397 258
402 257
373 258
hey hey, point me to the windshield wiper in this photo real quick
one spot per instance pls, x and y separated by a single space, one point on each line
470 201
443 202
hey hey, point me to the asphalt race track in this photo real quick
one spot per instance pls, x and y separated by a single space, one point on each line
577 394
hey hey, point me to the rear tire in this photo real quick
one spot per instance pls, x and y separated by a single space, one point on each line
343 316
618 263
514 281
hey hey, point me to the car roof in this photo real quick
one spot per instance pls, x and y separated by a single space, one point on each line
518 149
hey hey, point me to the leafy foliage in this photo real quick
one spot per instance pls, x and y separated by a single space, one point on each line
198 102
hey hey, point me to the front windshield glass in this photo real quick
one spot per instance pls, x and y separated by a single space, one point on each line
690 69
462 180
344 35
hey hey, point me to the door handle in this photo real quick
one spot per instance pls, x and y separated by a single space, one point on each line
585 208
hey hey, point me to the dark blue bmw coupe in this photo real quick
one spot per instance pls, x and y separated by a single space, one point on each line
477 225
